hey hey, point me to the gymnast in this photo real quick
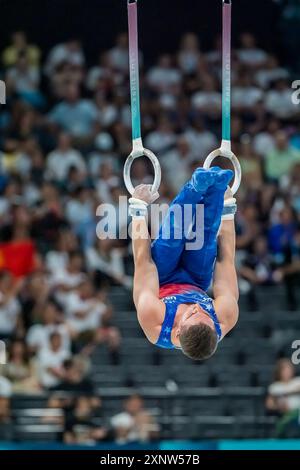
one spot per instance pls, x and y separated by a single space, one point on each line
171 281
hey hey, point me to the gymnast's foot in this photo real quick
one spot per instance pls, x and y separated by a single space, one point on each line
223 178
203 179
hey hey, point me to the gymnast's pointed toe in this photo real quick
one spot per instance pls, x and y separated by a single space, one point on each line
224 177
203 179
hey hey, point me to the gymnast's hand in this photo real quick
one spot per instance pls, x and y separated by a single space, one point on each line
144 193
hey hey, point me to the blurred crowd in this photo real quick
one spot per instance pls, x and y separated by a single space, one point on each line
283 399
65 133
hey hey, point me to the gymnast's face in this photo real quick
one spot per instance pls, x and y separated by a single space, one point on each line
194 315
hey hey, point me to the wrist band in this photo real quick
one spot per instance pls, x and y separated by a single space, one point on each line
229 212
138 209
230 209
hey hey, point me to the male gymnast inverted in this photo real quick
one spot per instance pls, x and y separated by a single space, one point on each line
171 282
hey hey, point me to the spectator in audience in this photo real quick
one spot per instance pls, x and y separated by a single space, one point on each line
257 269
208 100
33 297
251 164
81 423
282 159
135 423
164 78
270 73
76 382
284 399
63 158
279 102
103 155
21 370
69 277
50 360
264 141
11 157
89 318
245 94
118 55
106 261
106 181
249 54
201 140
289 271
58 258
101 77
6 431
75 115
107 112
122 427
189 53
82 308
80 213
248 227
70 53
162 138
176 164
282 233
19 45
293 181
49 217
11 323
51 320
5 394
66 74
24 80
75 378
18 250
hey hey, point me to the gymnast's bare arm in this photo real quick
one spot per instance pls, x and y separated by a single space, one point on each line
225 284
150 309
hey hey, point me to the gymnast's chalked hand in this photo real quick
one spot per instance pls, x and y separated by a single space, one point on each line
144 193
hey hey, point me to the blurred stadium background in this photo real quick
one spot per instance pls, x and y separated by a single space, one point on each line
79 371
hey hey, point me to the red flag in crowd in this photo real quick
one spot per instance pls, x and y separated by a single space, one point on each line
18 257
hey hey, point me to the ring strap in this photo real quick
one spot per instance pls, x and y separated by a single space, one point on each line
134 70
226 73
138 148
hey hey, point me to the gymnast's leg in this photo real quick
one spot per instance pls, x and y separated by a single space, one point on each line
199 264
167 252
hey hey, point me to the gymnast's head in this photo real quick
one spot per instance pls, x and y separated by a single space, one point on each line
196 333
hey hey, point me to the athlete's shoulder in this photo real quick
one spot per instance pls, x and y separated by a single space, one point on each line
227 311
151 314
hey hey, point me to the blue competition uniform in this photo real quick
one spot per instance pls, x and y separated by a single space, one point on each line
189 272
174 295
